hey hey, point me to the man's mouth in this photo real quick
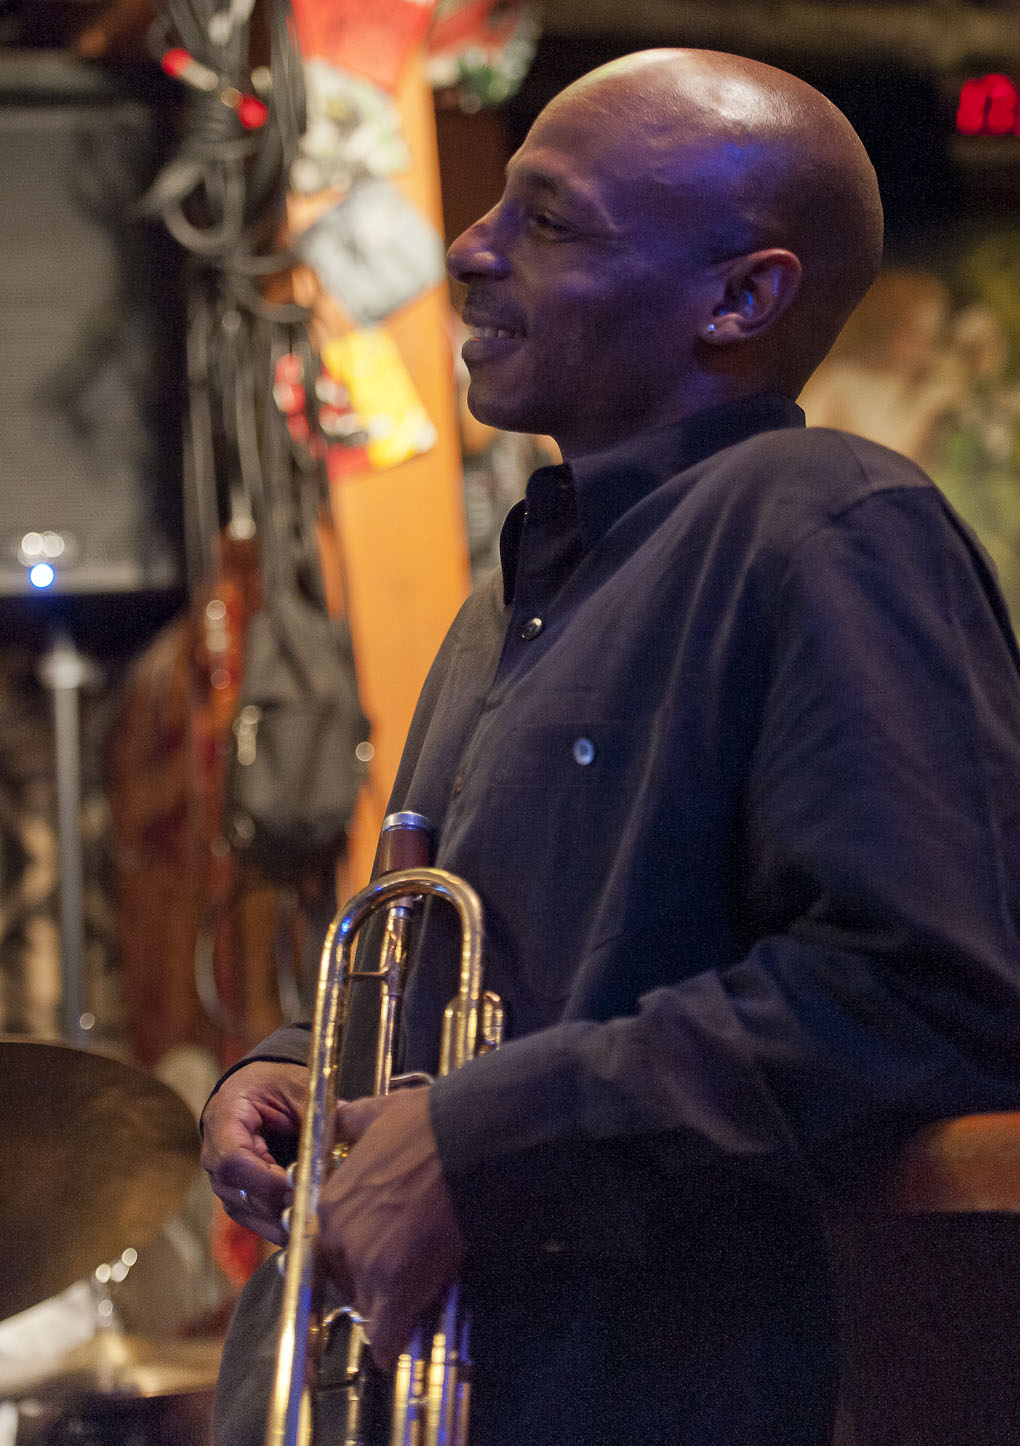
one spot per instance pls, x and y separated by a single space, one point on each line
485 333
489 341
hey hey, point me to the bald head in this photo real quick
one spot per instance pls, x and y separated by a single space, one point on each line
767 160
679 229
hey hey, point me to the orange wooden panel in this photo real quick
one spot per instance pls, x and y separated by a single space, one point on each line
963 1165
401 530
926 1263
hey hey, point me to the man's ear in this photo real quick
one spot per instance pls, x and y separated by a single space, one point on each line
756 291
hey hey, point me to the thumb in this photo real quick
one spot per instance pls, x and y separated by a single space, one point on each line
354 1117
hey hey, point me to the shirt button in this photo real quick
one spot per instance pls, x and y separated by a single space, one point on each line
584 751
531 629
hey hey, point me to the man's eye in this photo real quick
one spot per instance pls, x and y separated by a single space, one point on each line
541 221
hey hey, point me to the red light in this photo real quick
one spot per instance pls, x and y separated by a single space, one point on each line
251 112
988 107
175 62
182 65
289 368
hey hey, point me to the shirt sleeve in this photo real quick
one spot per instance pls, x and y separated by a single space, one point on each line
880 849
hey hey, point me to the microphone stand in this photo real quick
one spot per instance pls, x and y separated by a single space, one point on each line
65 671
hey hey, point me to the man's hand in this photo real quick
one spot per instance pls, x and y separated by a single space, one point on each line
388 1233
266 1095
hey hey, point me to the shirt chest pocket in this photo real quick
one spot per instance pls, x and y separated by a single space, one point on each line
569 755
546 828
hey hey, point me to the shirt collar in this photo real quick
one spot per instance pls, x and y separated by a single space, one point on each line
608 483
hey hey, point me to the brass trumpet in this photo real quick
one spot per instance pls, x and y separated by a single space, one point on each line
429 1401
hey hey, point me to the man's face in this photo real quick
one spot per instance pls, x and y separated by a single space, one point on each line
584 289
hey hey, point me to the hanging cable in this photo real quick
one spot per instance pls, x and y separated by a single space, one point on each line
223 197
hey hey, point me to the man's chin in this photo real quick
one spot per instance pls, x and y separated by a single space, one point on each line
492 414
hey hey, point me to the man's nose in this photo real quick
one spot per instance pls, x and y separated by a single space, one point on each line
475 253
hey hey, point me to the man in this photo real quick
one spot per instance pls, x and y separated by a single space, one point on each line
731 751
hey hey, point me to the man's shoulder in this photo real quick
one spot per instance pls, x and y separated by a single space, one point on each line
814 474
765 496
820 455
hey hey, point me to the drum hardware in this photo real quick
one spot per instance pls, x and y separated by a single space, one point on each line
116 1366
116 1389
122 1390
97 1155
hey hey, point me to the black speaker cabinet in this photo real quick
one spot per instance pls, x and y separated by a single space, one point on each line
91 371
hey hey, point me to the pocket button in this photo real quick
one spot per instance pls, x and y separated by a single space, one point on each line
584 751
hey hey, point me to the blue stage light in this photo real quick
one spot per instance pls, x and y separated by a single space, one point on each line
42 575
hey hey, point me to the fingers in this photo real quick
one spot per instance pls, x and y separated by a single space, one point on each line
257 1099
354 1117
393 1324
259 1205
261 1097
388 1233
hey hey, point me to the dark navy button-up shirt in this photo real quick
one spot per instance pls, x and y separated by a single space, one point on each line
731 751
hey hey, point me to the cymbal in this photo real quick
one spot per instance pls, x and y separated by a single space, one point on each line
95 1155
115 1366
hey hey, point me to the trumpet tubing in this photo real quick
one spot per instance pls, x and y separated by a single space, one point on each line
431 1392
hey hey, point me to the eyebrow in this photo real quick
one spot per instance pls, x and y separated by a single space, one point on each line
558 188
539 179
